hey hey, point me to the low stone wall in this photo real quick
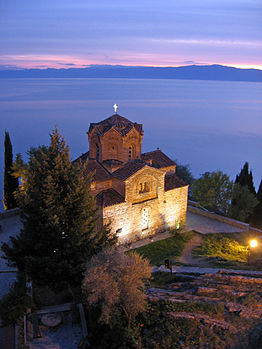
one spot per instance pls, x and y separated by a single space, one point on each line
226 220
255 230
9 213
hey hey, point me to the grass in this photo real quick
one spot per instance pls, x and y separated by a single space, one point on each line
170 248
225 247
197 307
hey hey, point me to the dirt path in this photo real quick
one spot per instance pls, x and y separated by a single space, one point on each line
187 257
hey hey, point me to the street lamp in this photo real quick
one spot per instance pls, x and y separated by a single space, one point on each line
253 243
252 246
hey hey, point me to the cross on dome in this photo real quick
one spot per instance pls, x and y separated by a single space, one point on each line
115 106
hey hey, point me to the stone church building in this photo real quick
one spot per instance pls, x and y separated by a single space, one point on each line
138 194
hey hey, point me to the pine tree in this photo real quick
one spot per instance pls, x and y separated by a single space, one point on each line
59 218
10 182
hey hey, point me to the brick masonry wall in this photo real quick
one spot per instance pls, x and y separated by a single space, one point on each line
97 187
112 145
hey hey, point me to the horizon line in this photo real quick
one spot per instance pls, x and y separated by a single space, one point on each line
75 66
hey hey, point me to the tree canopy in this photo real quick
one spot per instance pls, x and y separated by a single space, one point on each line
243 203
184 172
117 281
10 182
59 218
213 190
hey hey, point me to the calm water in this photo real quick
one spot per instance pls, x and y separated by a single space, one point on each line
208 124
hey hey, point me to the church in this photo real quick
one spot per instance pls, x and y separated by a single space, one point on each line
139 194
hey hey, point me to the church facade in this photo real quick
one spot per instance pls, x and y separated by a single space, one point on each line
138 194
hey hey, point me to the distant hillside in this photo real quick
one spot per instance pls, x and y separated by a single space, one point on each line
193 72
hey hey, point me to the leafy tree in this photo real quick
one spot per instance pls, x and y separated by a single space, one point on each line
213 190
245 178
243 203
117 281
10 182
59 218
184 172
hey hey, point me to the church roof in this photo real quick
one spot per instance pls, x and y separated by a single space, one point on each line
157 159
109 197
172 181
98 170
128 169
112 162
118 122
82 158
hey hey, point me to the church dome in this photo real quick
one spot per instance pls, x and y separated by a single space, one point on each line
121 124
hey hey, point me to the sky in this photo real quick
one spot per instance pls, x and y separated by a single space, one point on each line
78 33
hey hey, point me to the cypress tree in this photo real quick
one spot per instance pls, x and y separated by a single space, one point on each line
245 178
10 182
259 192
59 218
256 218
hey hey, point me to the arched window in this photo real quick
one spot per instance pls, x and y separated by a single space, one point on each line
97 151
145 218
144 187
130 152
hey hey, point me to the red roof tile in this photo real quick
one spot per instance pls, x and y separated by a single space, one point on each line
98 170
121 124
109 197
172 181
158 159
82 157
128 169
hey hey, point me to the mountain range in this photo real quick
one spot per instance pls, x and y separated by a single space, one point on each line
193 72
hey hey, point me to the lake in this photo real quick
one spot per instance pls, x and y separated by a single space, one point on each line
210 125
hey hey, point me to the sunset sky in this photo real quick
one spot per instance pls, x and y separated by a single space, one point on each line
77 33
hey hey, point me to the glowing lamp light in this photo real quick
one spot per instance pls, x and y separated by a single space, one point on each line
253 243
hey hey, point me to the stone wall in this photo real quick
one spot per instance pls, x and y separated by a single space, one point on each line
155 180
164 212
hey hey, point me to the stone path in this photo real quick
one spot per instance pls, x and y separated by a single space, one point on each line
206 270
187 257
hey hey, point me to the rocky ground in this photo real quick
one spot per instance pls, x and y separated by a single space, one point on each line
238 300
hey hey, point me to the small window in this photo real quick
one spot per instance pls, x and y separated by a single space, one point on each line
144 187
97 152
